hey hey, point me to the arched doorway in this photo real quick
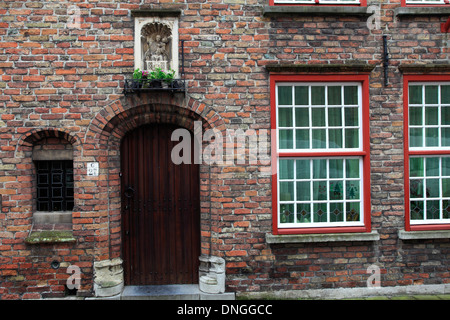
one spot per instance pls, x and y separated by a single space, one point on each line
160 210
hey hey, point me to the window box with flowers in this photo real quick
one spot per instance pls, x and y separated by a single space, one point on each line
156 79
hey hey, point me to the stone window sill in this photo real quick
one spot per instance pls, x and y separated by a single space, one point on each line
322 237
423 68
421 235
421 11
50 236
269 11
350 67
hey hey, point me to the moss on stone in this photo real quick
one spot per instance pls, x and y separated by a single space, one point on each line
50 237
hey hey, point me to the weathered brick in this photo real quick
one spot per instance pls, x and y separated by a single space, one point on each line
55 78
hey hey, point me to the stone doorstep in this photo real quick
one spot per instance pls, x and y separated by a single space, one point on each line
170 292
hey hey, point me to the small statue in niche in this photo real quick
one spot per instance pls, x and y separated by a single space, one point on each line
157 54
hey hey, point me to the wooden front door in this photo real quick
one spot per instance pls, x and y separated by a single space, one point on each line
160 210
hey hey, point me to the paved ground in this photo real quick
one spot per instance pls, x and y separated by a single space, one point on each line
412 297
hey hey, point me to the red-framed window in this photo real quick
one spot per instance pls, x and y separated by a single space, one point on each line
360 3
427 152
425 3
321 153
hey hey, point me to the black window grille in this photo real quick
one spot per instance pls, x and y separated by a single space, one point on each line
54 185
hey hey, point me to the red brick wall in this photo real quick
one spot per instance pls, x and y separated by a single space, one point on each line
68 82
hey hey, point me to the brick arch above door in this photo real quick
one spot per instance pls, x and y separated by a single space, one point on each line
131 106
102 144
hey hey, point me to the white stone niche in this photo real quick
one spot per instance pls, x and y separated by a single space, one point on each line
156 43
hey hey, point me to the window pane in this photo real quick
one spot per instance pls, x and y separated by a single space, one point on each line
415 95
286 169
446 187
319 139
351 95
284 95
416 188
336 190
445 115
351 117
336 212
303 169
446 166
336 168
352 190
431 95
446 209
302 138
301 117
431 137
287 213
286 139
335 138
353 211
431 116
304 212
416 167
445 137
351 138
352 168
317 95
445 94
318 117
415 116
303 191
334 117
301 95
432 188
286 191
319 190
415 137
334 95
320 212
416 210
432 165
319 169
285 117
433 211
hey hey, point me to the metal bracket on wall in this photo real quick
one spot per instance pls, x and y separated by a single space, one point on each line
385 60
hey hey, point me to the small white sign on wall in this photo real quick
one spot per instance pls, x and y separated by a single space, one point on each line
92 169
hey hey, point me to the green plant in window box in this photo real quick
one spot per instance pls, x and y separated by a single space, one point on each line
160 78
137 78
